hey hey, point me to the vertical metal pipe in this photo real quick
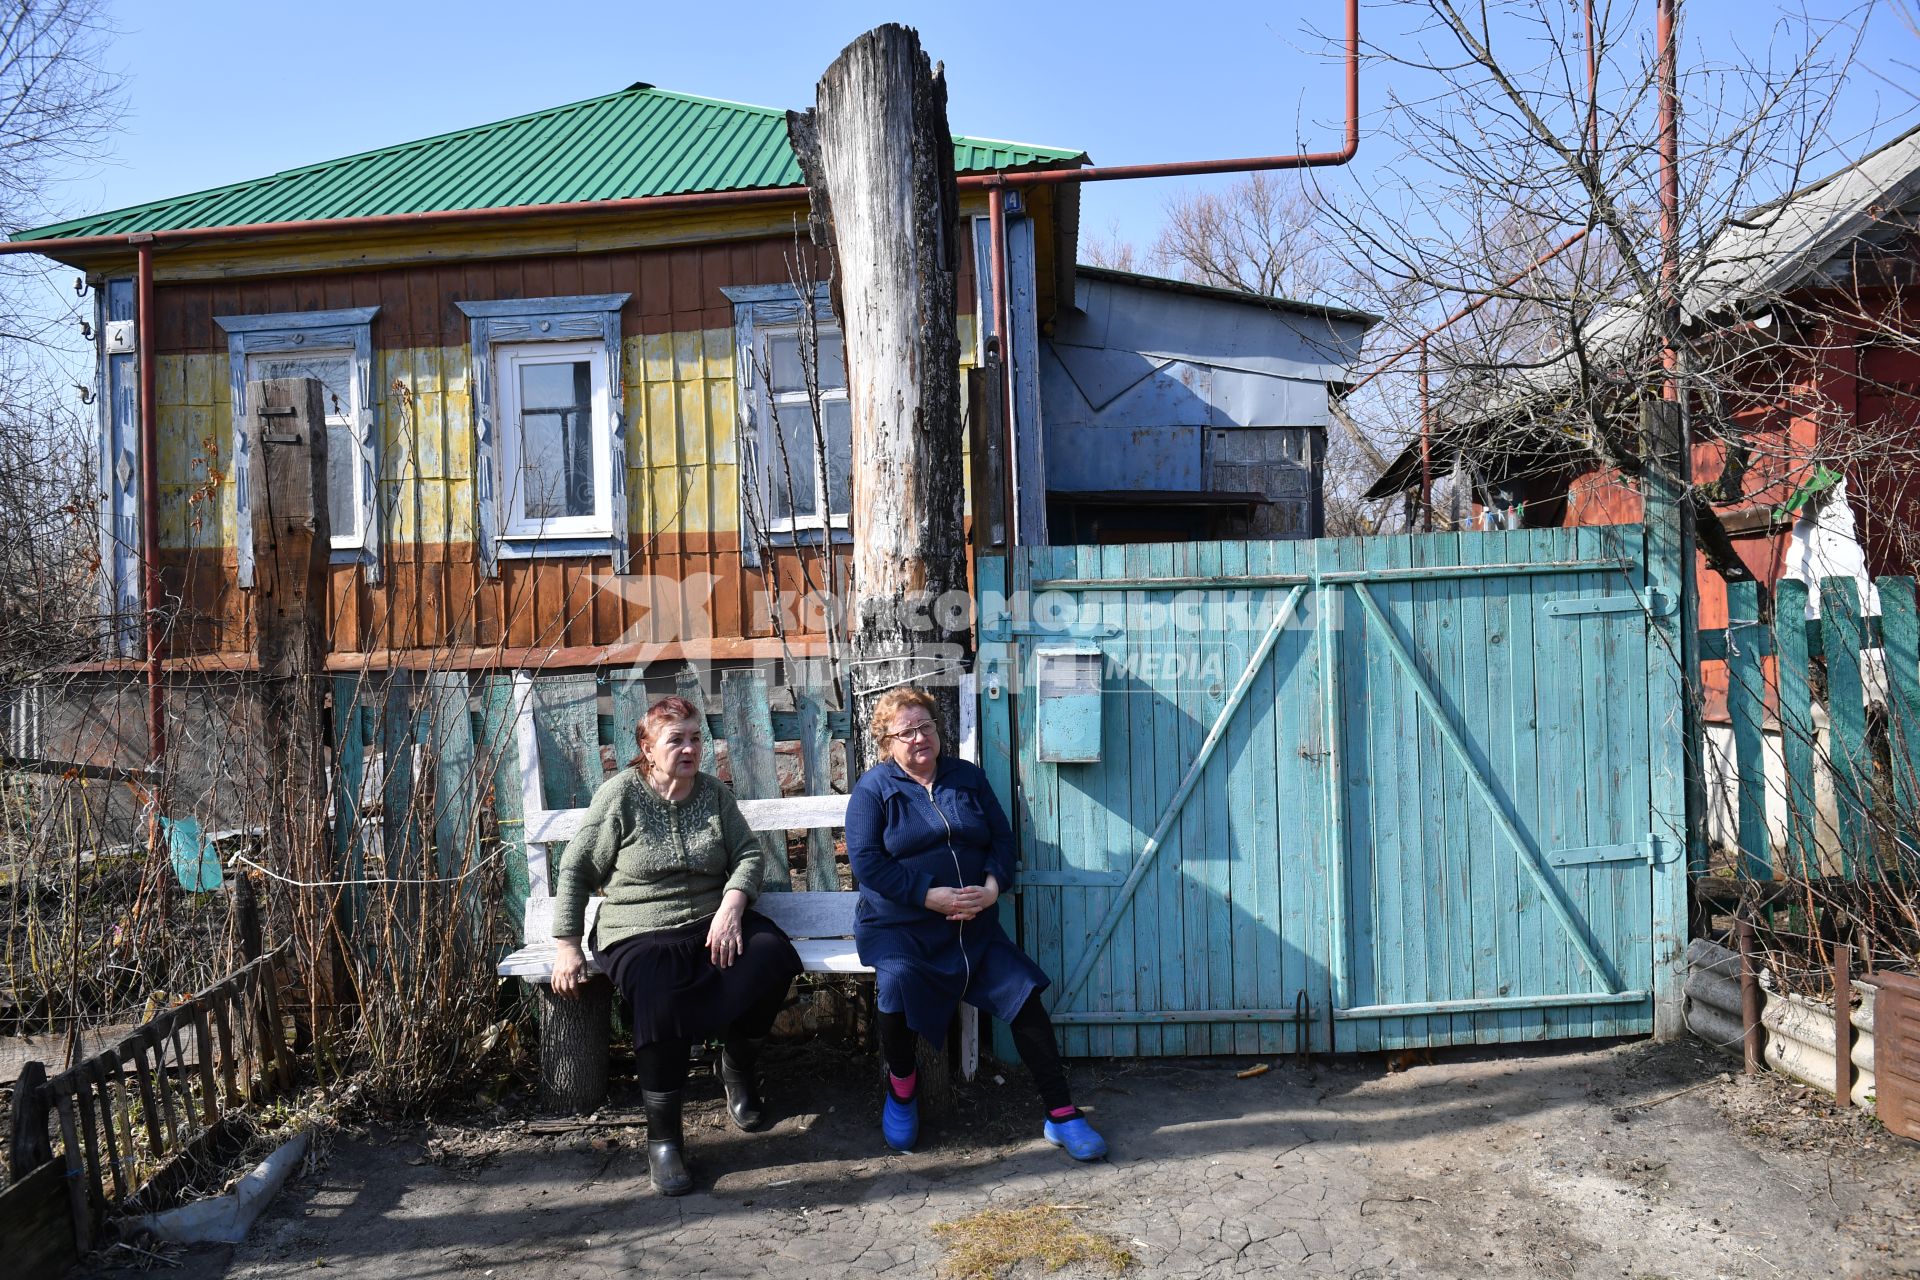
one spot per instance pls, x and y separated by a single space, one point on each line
1593 91
144 359
1426 447
1749 994
1843 1025
1667 76
1003 329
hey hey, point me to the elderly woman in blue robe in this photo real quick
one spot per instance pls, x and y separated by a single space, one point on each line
933 852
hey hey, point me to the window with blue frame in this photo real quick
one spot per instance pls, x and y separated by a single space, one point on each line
336 348
550 448
794 424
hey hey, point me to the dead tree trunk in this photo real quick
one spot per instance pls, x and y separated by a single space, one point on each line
878 160
287 478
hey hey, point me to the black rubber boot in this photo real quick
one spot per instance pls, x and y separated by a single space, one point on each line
666 1142
742 1084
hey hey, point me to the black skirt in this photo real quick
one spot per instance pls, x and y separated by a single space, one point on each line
675 990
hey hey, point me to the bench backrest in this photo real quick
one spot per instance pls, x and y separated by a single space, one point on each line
542 827
803 914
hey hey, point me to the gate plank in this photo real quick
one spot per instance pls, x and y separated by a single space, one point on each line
1109 805
1474 977
1381 788
1215 849
1901 631
1450 957
1145 796
810 710
1562 781
1598 691
1292 942
749 725
1341 962
1527 929
1630 888
1797 734
1252 831
1746 708
1074 812
999 685
1840 635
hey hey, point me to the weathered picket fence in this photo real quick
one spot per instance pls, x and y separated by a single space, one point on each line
126 1114
425 751
1875 780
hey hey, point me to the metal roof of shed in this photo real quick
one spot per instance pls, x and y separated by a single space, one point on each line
641 141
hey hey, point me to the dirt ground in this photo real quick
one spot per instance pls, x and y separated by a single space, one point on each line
1634 1160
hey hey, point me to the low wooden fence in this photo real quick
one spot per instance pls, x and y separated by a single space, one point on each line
124 1115
1777 656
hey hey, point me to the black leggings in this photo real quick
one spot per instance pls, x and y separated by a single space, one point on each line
1032 1036
662 1064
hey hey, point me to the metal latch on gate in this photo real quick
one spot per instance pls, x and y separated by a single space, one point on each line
1655 604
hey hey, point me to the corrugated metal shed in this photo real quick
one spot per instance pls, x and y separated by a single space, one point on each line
1135 379
641 141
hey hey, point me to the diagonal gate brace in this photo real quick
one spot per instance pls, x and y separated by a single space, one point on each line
1148 851
1529 856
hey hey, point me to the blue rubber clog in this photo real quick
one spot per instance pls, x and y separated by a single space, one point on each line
1077 1137
900 1122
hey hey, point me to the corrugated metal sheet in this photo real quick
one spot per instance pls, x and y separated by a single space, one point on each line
641 141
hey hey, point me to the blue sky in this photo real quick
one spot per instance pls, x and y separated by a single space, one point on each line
217 89
221 90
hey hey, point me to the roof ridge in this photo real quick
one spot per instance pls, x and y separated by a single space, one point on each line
680 142
320 166
1780 202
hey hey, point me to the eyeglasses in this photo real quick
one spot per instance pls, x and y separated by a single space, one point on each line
914 732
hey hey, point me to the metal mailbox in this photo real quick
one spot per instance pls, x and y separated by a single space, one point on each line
1067 688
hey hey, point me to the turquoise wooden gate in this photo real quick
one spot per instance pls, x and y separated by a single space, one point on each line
1352 794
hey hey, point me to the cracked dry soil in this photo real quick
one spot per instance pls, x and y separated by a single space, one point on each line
1541 1162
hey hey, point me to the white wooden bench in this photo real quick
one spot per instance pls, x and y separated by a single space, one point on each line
574 1033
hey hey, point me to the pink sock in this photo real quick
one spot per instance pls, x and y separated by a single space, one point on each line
903 1086
1064 1113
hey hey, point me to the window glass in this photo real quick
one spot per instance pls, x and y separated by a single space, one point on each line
335 373
556 433
343 479
786 356
839 456
793 471
833 362
794 495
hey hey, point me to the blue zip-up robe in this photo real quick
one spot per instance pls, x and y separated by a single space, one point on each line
900 847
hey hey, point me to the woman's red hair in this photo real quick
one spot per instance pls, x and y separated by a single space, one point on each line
670 710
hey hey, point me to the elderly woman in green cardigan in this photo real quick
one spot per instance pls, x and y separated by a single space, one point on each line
678 867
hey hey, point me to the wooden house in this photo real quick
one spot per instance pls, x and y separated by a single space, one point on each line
568 424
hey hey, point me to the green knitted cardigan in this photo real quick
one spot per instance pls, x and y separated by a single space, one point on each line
659 864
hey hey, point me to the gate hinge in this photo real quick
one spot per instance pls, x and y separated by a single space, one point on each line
1655 604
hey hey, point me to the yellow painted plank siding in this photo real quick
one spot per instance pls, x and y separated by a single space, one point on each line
679 408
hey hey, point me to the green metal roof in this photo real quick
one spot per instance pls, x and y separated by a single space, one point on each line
641 141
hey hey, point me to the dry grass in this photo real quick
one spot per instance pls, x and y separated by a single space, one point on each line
988 1244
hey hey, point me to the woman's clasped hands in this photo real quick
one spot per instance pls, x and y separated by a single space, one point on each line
963 904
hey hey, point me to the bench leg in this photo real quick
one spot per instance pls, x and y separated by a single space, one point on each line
969 1042
934 1067
573 1048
